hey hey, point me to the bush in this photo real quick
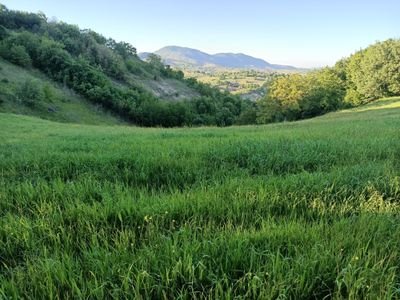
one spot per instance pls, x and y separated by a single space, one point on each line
30 93
49 94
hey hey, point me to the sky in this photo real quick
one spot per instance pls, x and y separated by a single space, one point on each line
303 33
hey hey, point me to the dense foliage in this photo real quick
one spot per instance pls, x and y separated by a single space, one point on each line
103 70
372 73
365 76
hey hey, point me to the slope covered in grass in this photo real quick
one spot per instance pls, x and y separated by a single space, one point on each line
299 210
62 105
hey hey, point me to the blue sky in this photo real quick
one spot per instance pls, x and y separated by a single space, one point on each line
302 33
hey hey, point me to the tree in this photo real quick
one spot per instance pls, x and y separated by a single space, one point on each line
155 61
302 96
374 72
16 54
3 32
247 116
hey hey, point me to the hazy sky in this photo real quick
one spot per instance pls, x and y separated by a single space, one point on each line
304 33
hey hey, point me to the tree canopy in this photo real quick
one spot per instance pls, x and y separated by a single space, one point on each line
367 75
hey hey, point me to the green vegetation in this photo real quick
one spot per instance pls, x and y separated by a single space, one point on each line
367 75
29 92
249 83
299 96
110 74
301 210
372 73
295 210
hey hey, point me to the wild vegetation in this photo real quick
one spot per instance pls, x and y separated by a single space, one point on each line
295 210
105 72
241 82
28 92
110 74
365 76
98 209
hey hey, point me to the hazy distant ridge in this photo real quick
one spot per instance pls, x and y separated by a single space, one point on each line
188 57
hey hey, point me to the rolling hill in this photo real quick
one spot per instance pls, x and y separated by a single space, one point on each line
191 58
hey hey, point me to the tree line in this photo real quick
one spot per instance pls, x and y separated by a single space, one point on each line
365 76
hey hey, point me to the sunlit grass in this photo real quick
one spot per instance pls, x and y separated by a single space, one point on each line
295 210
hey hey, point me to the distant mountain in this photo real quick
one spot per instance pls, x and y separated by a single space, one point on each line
192 58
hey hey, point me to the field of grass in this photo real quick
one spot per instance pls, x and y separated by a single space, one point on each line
296 210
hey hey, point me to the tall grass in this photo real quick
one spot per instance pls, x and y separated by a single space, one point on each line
298 210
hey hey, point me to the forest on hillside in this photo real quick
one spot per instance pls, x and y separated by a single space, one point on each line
104 71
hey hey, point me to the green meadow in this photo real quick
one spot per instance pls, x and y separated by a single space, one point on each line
296 210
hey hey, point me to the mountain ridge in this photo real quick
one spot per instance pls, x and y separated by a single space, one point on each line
178 56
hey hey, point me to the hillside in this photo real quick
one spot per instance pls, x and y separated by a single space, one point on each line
59 104
294 210
183 57
111 76
106 73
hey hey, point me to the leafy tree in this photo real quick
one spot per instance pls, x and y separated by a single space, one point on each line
374 72
325 92
247 116
16 54
269 110
155 61
224 117
300 96
3 32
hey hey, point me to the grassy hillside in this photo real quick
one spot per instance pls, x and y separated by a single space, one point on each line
64 105
296 210
109 74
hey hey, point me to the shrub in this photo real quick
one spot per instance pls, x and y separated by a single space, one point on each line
49 94
30 93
